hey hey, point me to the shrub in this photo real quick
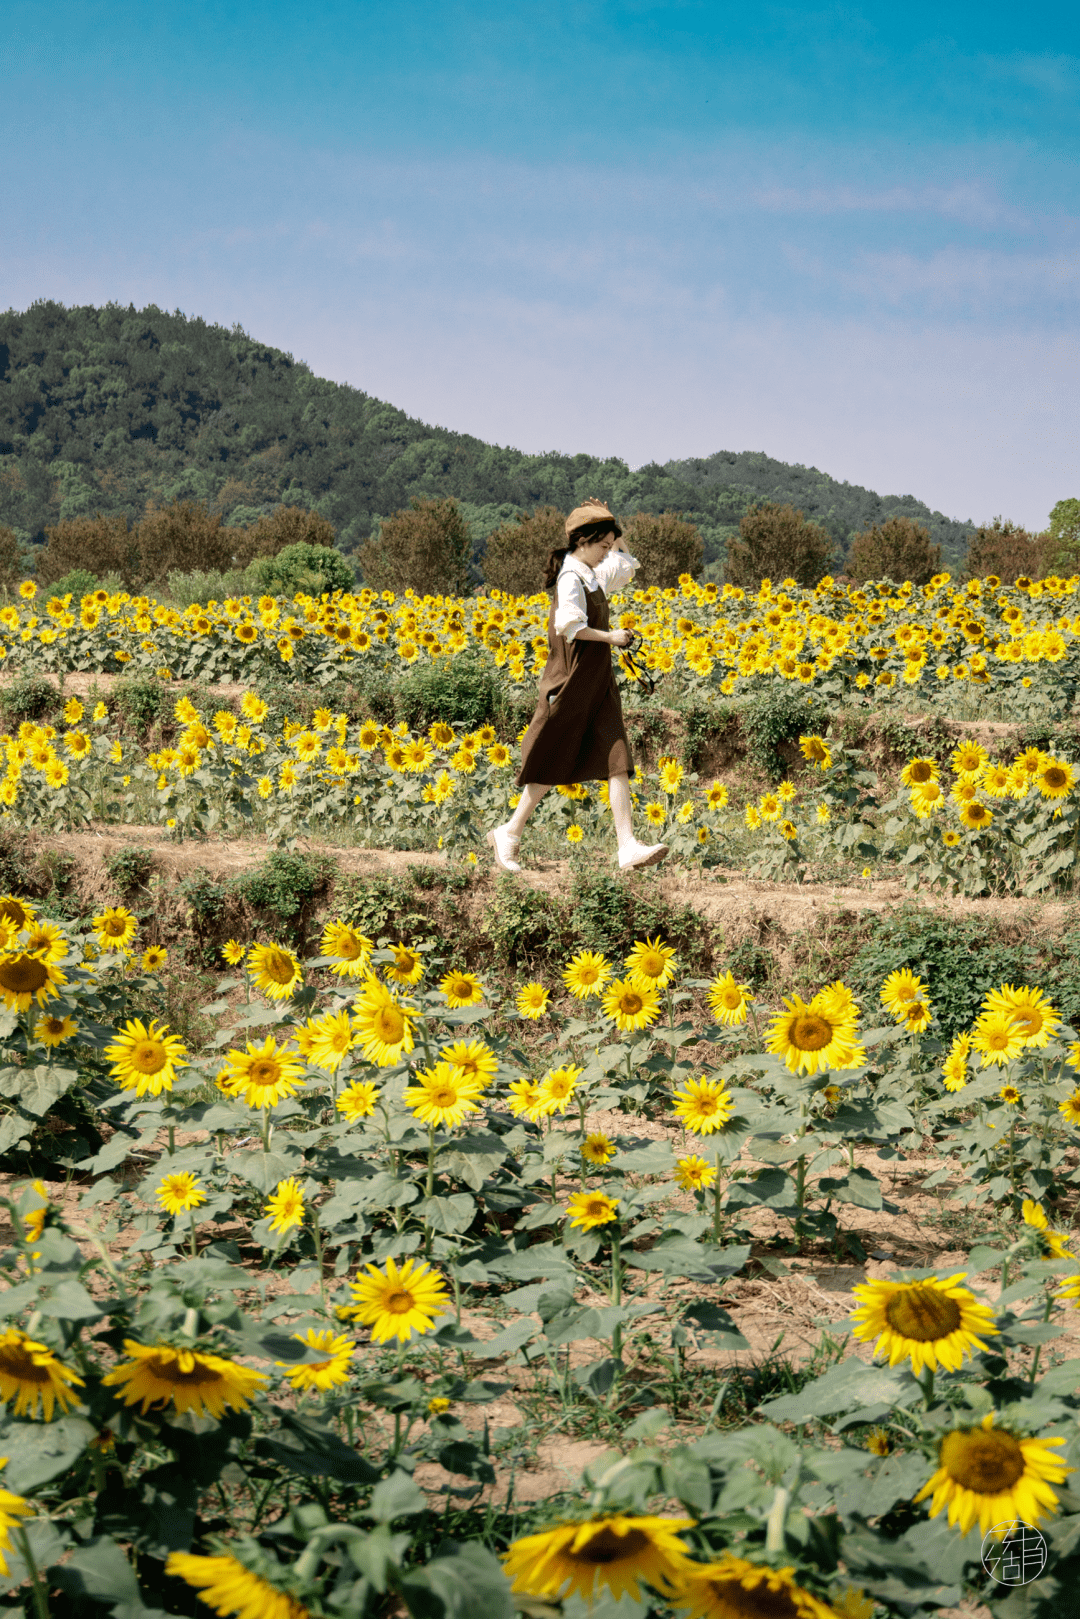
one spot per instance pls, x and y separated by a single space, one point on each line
774 718
777 543
517 553
899 549
666 546
200 586
461 691
426 548
280 530
284 883
96 545
311 568
129 868
1006 550
29 697
76 584
11 560
139 701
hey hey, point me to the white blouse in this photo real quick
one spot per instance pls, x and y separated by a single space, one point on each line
576 577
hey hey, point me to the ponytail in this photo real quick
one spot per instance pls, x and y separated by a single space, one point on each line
580 536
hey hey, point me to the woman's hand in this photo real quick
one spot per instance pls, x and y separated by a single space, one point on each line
620 637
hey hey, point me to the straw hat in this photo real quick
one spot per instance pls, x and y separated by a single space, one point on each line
593 511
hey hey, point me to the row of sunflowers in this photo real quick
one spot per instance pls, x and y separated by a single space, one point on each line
936 641
249 1364
983 825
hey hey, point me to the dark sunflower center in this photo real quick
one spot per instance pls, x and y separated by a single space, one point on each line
609 1547
12 911
264 1072
170 1371
920 772
810 1033
922 1313
986 1461
444 1097
23 976
17 1364
148 1056
730 1600
390 1025
278 967
631 1004
399 1303
1055 778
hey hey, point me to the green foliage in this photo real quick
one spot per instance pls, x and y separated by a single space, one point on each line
899 549
203 585
776 717
525 925
76 584
458 691
102 410
285 883
141 702
29 697
1065 521
776 542
390 907
310 568
128 868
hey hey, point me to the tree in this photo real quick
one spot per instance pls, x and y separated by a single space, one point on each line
666 546
285 526
517 553
777 543
1064 533
1006 550
98 545
183 536
311 568
10 559
426 548
897 549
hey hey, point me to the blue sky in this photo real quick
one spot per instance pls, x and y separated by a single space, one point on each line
845 235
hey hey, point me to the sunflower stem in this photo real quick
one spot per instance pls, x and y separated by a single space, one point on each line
172 1139
267 1127
190 1328
717 1221
40 1595
774 1526
926 1383
194 1238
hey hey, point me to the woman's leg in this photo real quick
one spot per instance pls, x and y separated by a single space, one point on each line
622 809
531 794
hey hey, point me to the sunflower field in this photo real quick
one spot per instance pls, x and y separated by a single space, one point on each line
248 1367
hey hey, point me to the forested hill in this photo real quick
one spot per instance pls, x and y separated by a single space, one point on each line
103 410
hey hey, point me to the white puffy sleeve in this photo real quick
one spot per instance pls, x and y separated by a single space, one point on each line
571 608
616 571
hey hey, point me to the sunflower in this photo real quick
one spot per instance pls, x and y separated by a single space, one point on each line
704 1106
1056 778
1009 1095
180 1193
597 1148
694 1174
1070 1108
115 927
383 1025
955 1066
988 1475
330 1373
233 952
145 1058
12 1507
194 1381
586 1210
263 1075
31 1375
814 1036
532 1001
926 800
1034 1214
274 970
46 941
969 758
25 978
899 990
815 750
53 1031
655 814
631 1004
357 1101
918 1016
586 974
735 1588
976 815
770 807
349 949
19 912
729 1002
228 1587
557 1088
407 966
473 1059
933 1321
651 963
286 1208
917 772
526 1100
331 1040
461 989
998 1038
1031 1012
396 1303
613 1550
154 958
443 1096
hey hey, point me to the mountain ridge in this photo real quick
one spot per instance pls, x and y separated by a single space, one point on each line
104 409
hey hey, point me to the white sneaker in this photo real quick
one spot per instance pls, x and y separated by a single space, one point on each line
505 846
641 854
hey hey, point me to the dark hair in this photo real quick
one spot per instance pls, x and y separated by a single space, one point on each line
580 536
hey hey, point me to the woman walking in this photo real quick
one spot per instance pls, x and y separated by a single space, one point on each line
577 732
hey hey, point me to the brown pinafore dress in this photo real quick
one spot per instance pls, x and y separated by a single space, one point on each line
577 732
